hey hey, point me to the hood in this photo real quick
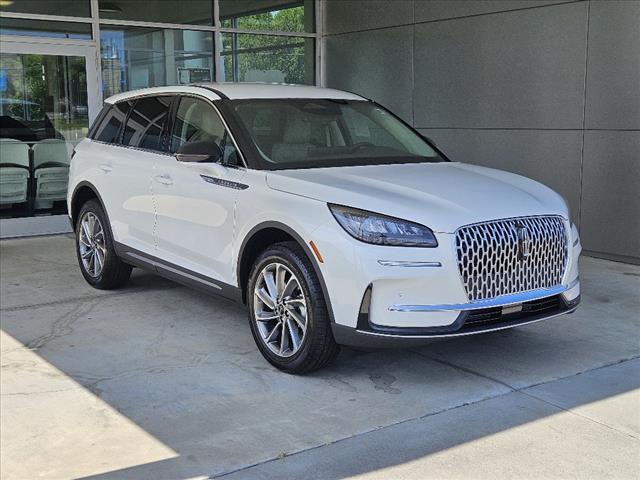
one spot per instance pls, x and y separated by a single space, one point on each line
443 196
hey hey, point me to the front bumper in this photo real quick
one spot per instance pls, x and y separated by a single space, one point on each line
412 294
475 317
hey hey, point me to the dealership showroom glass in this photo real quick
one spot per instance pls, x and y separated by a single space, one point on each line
61 58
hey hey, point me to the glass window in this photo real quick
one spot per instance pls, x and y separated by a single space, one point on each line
183 12
310 133
270 15
267 58
111 124
71 8
146 123
196 121
364 129
43 115
135 57
44 28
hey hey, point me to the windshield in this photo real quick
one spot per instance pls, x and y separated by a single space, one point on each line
312 133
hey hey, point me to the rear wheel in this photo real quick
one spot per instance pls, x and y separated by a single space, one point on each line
99 264
287 311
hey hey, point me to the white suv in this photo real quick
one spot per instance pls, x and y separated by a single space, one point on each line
333 220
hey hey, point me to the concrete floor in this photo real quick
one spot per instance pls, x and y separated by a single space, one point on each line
158 381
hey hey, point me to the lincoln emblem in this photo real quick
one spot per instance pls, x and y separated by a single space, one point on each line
524 241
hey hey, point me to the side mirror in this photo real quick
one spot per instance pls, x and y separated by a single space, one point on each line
203 152
233 160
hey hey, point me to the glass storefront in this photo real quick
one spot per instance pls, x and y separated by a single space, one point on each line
44 28
134 57
267 58
69 8
43 115
60 58
183 12
272 16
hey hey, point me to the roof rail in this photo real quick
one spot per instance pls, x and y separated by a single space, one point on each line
214 90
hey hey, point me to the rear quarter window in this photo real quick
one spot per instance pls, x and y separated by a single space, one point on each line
145 124
108 130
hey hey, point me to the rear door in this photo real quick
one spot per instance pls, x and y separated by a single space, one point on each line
126 166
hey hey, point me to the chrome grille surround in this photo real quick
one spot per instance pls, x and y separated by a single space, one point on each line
490 259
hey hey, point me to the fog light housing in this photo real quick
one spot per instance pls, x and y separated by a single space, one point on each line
572 295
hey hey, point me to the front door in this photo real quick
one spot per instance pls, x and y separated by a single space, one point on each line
48 95
196 201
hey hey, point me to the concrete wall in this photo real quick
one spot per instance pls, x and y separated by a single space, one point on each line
547 89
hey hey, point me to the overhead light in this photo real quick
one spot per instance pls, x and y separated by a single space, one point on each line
109 8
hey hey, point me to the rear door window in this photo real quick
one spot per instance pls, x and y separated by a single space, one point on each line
109 129
145 125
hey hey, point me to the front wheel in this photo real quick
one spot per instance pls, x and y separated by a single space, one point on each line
287 311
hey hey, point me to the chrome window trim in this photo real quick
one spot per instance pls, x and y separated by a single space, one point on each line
136 96
129 147
179 95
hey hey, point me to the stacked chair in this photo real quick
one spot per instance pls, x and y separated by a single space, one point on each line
14 171
35 174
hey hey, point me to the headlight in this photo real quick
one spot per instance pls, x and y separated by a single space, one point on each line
379 229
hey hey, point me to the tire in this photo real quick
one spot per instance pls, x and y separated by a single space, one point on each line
113 273
316 346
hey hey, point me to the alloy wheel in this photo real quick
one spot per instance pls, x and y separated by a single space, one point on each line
280 309
92 244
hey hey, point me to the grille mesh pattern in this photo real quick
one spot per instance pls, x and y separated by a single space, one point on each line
490 259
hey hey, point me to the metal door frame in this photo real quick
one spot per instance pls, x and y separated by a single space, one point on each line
52 224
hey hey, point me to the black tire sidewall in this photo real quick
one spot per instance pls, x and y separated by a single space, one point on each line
110 256
315 302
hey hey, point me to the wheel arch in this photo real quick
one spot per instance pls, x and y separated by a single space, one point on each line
82 193
259 238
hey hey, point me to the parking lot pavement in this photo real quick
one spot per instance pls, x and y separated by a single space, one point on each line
158 381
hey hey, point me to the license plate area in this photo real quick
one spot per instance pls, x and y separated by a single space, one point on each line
508 309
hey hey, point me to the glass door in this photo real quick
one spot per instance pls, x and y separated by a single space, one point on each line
47 98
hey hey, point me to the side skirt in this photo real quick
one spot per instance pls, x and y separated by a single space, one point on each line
177 274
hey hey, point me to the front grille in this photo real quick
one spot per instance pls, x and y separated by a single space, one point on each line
493 259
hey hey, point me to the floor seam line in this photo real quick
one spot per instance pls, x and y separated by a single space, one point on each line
466 369
376 429
520 389
373 430
19 308
573 412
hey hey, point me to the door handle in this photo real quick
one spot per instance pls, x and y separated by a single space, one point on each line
164 179
105 167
